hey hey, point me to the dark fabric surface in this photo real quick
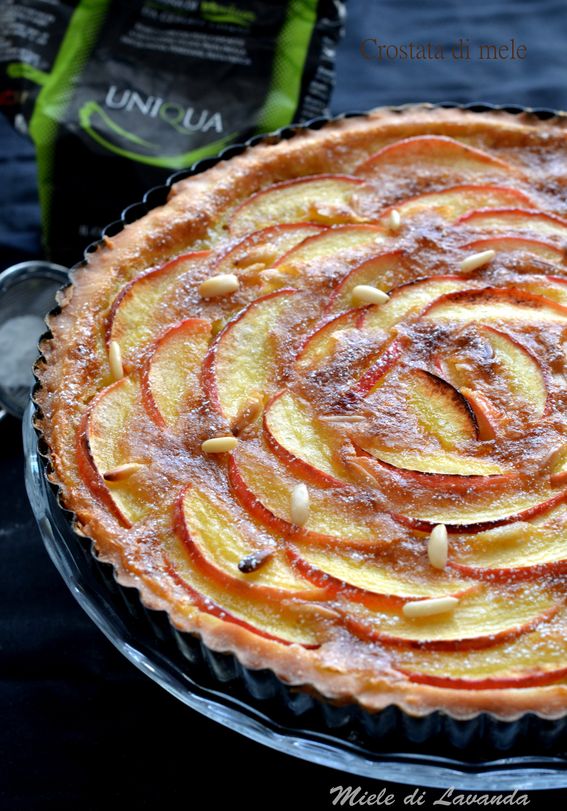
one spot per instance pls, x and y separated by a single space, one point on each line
79 726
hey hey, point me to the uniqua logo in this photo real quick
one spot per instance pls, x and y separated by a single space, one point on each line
185 120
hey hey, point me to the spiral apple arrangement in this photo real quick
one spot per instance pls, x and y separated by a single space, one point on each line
347 418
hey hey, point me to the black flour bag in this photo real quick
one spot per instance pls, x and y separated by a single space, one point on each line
116 95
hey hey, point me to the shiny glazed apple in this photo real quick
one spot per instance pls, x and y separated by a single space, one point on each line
314 407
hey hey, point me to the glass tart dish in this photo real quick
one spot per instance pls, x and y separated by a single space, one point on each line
311 407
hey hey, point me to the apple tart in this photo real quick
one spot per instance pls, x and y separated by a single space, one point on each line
314 407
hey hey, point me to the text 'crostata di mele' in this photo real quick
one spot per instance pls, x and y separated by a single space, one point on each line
314 407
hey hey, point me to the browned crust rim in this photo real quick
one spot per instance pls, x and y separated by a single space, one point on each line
193 206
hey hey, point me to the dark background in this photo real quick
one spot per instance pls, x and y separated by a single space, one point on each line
80 728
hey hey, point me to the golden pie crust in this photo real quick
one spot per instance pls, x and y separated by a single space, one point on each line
453 391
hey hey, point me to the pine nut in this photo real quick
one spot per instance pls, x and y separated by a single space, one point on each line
219 444
300 505
220 285
365 294
394 220
477 260
438 546
115 361
429 608
118 474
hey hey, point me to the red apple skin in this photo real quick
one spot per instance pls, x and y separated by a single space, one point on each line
209 607
163 270
196 325
88 470
232 584
490 683
299 466
208 380
358 628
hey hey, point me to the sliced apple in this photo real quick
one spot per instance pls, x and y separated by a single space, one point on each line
303 443
522 371
436 157
512 219
441 410
264 247
495 304
170 375
534 659
519 550
216 545
242 358
473 516
481 619
538 247
339 246
383 271
321 344
373 581
440 462
321 199
376 374
104 445
452 204
137 314
411 299
337 517
552 287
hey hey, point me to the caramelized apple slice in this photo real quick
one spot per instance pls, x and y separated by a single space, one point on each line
473 516
552 287
216 545
137 314
307 446
321 199
335 248
436 157
538 247
452 204
373 581
261 618
534 659
381 271
412 298
263 486
495 304
513 220
520 550
321 344
481 619
522 372
440 462
104 447
242 358
260 250
170 376
441 411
